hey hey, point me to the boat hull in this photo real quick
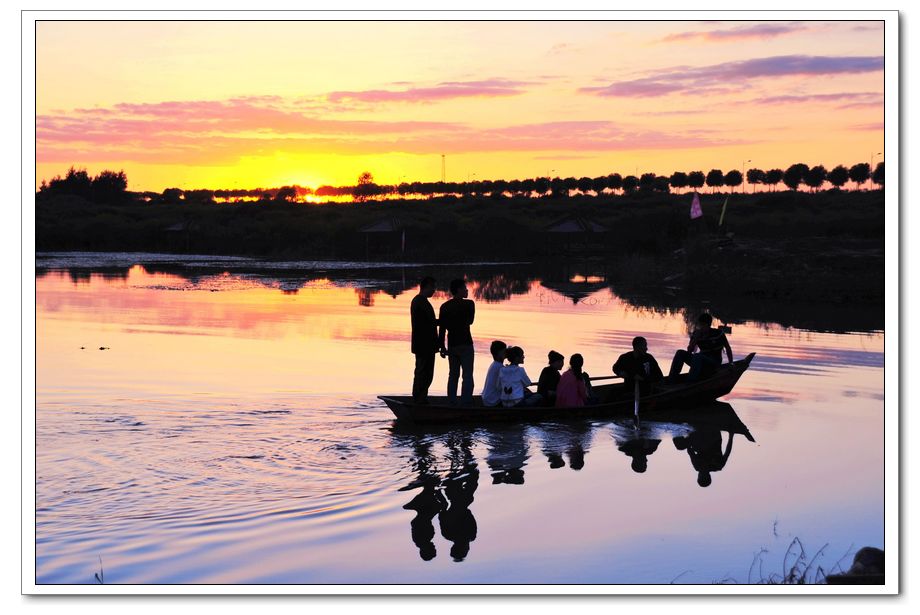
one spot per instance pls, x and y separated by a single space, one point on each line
672 399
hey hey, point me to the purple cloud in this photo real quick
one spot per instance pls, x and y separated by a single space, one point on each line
846 100
734 76
758 31
876 126
488 88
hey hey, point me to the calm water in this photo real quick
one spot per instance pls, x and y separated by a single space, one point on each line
230 433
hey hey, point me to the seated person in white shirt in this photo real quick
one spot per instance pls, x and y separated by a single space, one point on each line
492 391
514 380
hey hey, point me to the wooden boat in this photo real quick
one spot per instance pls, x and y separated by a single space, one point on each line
669 401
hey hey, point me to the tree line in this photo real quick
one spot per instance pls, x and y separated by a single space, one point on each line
111 186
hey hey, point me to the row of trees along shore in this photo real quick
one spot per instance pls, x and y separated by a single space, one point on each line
110 186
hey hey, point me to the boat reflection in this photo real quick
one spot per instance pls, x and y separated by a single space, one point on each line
444 466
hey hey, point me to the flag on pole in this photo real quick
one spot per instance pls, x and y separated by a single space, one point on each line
696 211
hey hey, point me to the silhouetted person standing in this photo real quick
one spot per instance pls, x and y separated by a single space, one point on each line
424 340
456 316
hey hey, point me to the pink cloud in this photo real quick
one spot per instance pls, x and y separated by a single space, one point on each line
220 132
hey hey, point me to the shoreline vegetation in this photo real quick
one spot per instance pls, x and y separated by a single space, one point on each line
823 247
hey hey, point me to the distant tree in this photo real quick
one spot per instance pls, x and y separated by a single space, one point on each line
199 196
815 177
859 173
715 179
558 187
599 184
528 187
585 184
773 177
515 186
838 176
366 188
76 182
541 185
878 175
696 179
755 176
678 180
733 179
647 182
661 184
172 195
500 187
109 187
570 183
286 193
794 175
615 181
630 184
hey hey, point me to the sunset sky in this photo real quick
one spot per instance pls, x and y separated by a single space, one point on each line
265 104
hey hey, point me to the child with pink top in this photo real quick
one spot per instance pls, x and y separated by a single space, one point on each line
572 391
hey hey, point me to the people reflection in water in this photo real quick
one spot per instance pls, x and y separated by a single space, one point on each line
639 450
507 455
458 525
704 446
449 499
428 503
572 439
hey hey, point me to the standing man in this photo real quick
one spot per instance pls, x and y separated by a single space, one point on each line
455 318
424 340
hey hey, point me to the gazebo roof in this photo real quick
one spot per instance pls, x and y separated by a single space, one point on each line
385 225
575 224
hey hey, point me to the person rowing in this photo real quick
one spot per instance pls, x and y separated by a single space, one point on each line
638 366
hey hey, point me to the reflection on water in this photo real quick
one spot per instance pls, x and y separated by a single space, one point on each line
230 433
445 471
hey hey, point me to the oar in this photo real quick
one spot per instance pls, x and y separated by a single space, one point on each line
636 401
592 379
603 378
636 407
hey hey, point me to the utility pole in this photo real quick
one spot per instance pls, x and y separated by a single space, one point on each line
872 162
743 178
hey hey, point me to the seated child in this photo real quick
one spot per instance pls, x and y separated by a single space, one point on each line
492 390
514 380
549 378
572 391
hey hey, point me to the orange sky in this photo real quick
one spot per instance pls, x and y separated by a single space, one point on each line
264 104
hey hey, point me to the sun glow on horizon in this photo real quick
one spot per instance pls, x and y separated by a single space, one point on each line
499 101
